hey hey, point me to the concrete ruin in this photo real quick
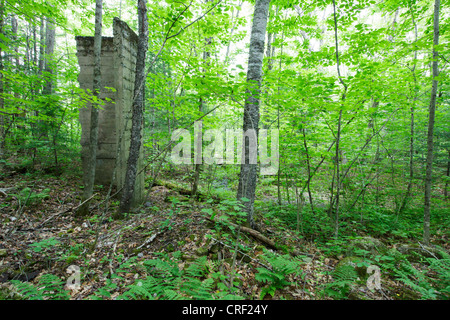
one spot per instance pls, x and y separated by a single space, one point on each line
118 59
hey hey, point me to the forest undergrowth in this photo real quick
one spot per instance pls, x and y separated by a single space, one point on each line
176 247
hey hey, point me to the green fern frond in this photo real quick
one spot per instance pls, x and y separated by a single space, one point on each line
343 278
429 286
27 290
49 287
198 268
345 274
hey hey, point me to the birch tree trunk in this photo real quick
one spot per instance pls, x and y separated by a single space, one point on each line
432 109
248 174
137 112
89 175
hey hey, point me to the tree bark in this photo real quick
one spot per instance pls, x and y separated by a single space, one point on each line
248 173
2 102
89 175
137 112
202 105
448 176
41 45
48 58
308 164
413 104
338 177
232 29
432 109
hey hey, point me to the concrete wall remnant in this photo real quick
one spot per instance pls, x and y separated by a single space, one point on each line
118 63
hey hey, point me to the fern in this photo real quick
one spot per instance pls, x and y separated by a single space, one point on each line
167 281
343 278
427 286
442 269
172 295
198 268
27 290
49 287
282 266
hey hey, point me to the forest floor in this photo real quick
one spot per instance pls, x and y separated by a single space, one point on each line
39 235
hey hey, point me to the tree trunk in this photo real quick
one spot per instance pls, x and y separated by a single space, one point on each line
2 102
232 30
411 140
89 174
338 178
248 174
432 109
41 45
198 165
137 112
448 176
308 164
48 58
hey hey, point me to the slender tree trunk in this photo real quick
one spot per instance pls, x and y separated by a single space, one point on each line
308 164
137 112
280 63
2 101
41 46
432 109
248 174
448 176
338 180
89 174
48 69
14 30
287 187
270 39
279 169
411 141
232 30
48 57
198 165
20 113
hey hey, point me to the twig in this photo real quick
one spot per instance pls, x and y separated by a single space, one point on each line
423 248
243 253
113 253
252 232
149 240
4 190
64 211
258 235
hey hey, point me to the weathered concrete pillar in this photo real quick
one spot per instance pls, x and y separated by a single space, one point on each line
118 59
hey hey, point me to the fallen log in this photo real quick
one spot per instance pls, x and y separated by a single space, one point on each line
183 190
256 234
259 236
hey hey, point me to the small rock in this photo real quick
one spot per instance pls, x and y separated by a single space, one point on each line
202 251
354 262
371 245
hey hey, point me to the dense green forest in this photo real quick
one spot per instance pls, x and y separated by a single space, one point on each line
347 98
